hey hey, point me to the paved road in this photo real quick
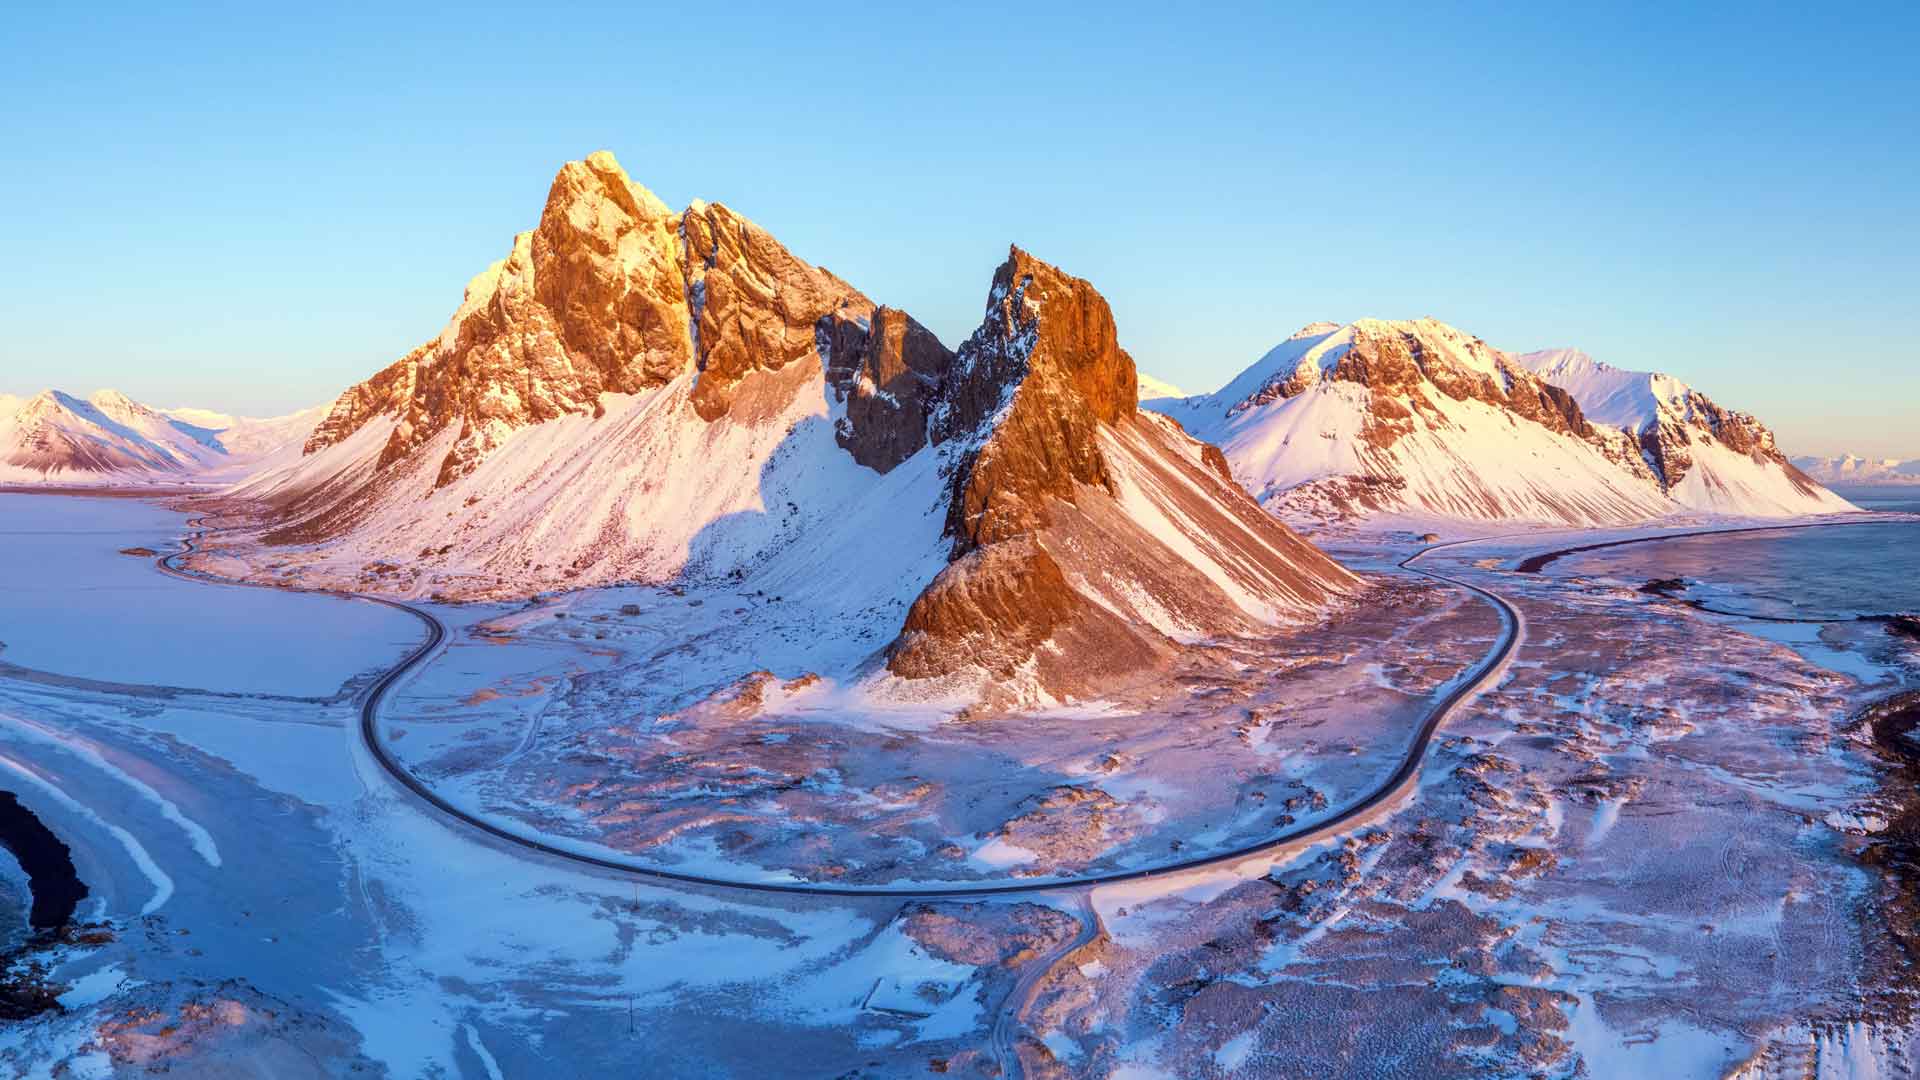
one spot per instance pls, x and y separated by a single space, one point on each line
436 633
1013 1008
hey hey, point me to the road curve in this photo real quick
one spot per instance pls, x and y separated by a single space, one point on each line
1390 788
1014 1006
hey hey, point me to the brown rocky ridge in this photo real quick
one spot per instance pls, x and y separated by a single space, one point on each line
1083 537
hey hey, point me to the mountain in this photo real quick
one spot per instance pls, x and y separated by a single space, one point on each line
1421 419
1415 418
1859 471
109 438
1152 389
1706 457
639 394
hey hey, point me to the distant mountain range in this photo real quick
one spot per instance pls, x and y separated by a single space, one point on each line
110 439
1421 419
641 393
1864 472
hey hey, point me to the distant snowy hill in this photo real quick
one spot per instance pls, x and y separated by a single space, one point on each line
1864 472
1420 418
57 438
1152 389
1706 457
641 394
1414 418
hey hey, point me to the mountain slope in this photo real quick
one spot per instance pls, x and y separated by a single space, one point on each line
635 394
1706 457
1415 418
109 438
1079 521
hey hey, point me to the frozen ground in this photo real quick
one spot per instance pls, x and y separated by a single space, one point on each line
1636 856
643 722
78 607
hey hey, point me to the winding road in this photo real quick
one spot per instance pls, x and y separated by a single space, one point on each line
1008 1022
1471 682
1009 1017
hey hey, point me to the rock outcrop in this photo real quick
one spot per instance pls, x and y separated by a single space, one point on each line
612 293
1056 485
639 394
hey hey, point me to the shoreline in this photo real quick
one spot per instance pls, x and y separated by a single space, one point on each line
48 861
1894 852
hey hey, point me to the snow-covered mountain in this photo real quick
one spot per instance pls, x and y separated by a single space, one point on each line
1707 458
57 438
1152 389
1864 472
1419 418
1415 418
639 394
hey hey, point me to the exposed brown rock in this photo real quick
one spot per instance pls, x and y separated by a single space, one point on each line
1033 405
889 373
611 293
757 305
1667 443
1056 377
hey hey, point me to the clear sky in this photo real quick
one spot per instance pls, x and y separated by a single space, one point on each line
248 211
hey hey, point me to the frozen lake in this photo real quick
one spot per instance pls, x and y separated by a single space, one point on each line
70 603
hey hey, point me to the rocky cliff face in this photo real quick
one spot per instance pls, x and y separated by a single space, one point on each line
888 370
1056 485
698 403
612 293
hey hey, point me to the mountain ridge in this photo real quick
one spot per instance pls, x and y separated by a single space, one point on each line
638 395
1378 417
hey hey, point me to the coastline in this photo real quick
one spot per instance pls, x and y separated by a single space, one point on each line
48 861
1890 726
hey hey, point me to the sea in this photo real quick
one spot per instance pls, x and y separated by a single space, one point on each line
1826 573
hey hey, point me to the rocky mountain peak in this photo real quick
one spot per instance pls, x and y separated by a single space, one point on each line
1024 394
1039 410
612 292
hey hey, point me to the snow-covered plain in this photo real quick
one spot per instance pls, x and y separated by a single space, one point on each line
1637 855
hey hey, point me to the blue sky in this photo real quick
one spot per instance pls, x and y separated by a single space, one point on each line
215 206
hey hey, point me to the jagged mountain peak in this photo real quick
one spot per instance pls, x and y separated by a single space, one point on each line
1006 497
611 293
598 181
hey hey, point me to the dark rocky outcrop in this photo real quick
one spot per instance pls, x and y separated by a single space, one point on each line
889 371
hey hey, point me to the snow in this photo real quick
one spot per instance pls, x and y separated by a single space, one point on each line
133 625
1470 460
651 492
1465 459
1152 388
1852 469
1720 481
109 438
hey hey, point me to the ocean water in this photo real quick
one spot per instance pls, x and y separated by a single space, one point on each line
1835 572
1884 499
